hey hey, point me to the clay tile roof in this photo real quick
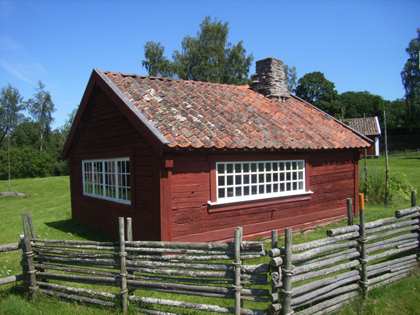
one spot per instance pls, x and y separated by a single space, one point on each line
210 115
368 126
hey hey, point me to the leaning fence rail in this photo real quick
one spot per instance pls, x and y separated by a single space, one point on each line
5 249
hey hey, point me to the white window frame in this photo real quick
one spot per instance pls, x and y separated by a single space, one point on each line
238 181
108 179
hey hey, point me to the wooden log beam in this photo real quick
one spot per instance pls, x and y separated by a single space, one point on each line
322 249
403 212
328 303
79 290
392 226
11 279
76 297
325 281
333 289
325 241
325 271
9 247
324 263
391 252
254 246
393 232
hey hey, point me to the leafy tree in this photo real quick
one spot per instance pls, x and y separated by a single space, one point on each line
10 107
41 107
291 78
316 89
411 81
362 104
156 64
206 57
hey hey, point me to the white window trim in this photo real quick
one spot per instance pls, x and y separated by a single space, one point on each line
116 177
261 196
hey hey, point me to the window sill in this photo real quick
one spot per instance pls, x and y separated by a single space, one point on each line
244 204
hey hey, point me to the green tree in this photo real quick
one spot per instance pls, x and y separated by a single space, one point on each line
362 104
316 89
41 107
156 64
10 108
206 57
411 81
291 78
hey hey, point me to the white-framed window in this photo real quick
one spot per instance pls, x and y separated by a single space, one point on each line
107 179
240 181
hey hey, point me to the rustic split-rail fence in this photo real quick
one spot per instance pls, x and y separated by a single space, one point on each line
223 277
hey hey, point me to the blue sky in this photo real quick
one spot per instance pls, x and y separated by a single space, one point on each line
358 45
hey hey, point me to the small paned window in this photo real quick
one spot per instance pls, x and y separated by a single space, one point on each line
108 179
237 181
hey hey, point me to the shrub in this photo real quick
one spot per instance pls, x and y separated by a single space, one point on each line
24 163
399 187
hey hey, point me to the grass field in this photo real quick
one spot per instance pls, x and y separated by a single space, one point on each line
48 199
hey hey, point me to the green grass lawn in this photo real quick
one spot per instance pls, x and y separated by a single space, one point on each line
48 199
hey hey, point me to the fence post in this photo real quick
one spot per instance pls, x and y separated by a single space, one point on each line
364 283
28 231
123 255
287 273
413 198
237 263
349 212
275 282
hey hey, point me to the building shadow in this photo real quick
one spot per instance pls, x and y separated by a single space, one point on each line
74 227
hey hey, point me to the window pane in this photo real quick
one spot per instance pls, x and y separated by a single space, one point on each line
221 193
238 168
230 192
246 179
261 167
253 167
254 190
238 179
246 191
246 167
221 180
229 168
268 167
221 168
261 178
230 180
254 179
268 178
238 191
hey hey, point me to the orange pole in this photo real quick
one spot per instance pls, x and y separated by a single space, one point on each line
361 201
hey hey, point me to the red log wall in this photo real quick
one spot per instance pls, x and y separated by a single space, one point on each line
107 133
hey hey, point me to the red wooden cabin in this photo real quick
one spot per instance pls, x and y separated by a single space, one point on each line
191 161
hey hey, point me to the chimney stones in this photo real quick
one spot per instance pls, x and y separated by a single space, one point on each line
270 80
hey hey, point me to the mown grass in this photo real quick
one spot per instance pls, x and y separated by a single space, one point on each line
48 199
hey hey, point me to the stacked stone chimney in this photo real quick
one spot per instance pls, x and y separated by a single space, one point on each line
270 80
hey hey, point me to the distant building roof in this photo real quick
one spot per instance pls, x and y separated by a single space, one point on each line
368 126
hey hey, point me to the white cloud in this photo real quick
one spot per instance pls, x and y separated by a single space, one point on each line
15 59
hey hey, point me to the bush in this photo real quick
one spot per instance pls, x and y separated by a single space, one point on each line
24 163
399 187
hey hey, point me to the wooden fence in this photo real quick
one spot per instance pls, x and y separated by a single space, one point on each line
134 271
320 276
224 277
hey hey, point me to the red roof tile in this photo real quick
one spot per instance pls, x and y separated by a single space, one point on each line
210 115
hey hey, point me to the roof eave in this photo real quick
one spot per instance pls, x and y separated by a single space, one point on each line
98 78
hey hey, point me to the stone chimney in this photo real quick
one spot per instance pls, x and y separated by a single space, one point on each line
270 80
